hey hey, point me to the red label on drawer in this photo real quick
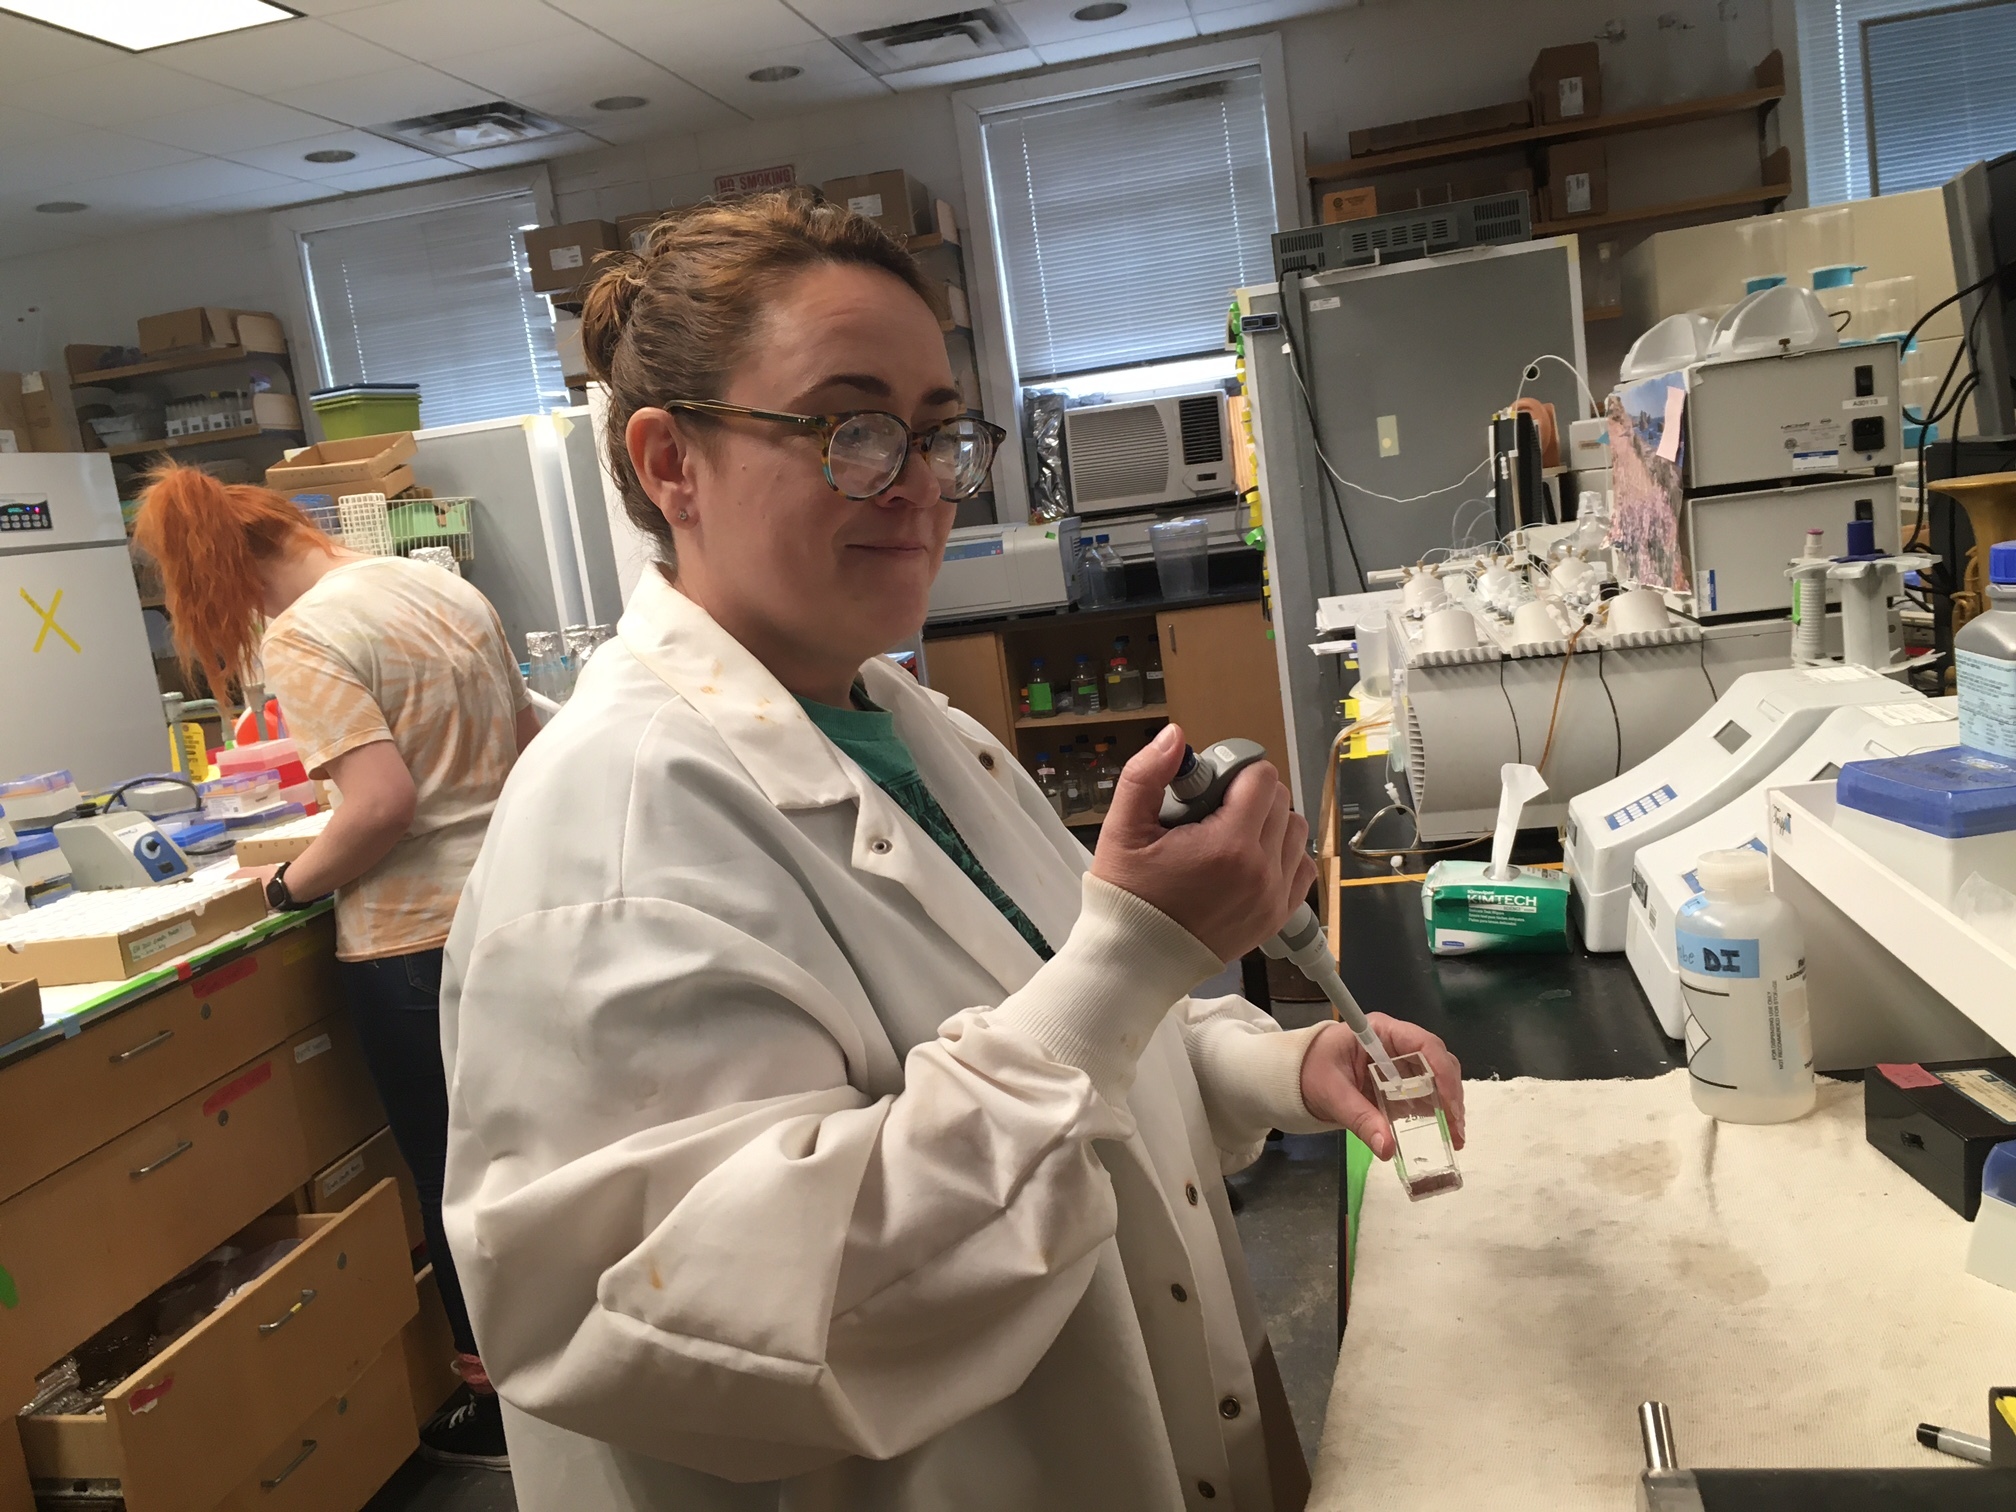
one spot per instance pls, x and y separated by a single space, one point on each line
237 1087
224 976
1908 1076
145 1399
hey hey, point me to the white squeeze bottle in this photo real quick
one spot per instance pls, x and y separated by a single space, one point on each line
1743 973
1984 662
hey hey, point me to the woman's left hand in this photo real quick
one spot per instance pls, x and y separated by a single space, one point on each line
1337 1079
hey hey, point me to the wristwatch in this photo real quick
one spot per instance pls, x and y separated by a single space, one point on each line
277 897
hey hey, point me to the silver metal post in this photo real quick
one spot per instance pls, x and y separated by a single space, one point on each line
1655 1427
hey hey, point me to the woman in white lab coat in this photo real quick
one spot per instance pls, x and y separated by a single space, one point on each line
828 1129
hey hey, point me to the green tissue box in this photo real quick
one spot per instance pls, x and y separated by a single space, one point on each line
1466 911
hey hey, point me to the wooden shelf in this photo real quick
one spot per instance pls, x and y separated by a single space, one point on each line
1602 312
1738 199
1087 819
1770 90
172 362
173 443
1103 717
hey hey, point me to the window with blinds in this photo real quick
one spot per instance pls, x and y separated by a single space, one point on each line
1124 220
1939 91
442 298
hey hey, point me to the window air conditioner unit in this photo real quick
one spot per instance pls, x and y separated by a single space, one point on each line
1147 452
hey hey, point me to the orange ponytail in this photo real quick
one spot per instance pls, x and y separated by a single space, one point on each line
210 540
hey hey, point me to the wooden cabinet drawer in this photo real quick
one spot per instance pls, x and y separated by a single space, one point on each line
334 1098
336 1460
429 1347
343 1181
67 1099
218 1407
86 1243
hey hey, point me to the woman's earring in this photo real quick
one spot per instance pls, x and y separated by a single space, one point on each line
684 515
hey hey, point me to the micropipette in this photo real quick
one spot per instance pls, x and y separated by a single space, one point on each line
1198 789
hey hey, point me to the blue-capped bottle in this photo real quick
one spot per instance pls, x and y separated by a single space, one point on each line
1984 662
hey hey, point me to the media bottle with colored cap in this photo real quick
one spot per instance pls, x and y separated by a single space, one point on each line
1743 973
1984 662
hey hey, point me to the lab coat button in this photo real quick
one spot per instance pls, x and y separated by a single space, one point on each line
1229 1408
1206 1490
880 847
1178 1293
987 760
1190 1192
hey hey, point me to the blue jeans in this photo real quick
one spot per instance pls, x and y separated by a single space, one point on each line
395 1004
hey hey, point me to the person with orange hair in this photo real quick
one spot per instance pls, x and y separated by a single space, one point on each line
397 684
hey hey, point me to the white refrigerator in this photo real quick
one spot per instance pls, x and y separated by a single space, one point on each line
77 686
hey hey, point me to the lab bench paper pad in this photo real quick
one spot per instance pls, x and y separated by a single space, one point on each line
1792 1296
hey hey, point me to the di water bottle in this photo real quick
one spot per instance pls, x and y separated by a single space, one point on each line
1743 975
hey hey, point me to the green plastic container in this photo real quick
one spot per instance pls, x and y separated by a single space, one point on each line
427 520
367 409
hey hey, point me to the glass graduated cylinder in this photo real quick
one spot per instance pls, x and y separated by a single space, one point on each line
1423 1158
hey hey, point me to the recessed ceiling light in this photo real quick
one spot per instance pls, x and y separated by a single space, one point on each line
1106 10
776 73
328 155
622 102
158 23
62 207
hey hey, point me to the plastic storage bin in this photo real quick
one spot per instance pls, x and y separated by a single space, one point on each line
367 409
1933 817
1181 552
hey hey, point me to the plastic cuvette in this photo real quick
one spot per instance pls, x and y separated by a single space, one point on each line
1422 1156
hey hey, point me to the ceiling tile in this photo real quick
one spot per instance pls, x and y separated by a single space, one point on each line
388 178
291 158
411 89
672 105
29 50
827 76
228 130
18 127
1049 22
1107 43
284 192
443 32
676 32
117 92
177 184
67 162
269 60
576 62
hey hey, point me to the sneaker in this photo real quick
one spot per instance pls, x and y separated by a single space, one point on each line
468 1430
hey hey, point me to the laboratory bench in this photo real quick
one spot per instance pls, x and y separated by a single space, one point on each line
1217 659
222 1102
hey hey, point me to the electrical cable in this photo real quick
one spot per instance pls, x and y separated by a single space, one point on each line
1531 373
1547 749
1293 295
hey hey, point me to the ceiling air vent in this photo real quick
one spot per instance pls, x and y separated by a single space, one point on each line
955 38
472 128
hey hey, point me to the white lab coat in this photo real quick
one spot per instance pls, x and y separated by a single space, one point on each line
783 1173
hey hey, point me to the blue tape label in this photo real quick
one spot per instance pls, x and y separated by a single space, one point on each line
1713 956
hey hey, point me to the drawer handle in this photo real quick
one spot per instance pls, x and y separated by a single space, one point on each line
307 1448
307 1296
182 1147
142 1048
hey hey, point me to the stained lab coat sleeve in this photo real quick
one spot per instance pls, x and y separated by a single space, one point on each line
1250 1073
741 1262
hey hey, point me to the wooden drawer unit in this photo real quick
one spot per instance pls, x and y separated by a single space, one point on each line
429 1347
225 1405
67 1099
334 1098
337 1460
342 1182
90 1241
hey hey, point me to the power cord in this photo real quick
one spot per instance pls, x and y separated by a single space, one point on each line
1532 375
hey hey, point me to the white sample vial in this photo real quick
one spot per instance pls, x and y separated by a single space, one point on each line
1984 662
1743 974
1423 1157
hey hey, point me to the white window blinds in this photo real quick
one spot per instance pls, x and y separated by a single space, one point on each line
442 298
1939 91
1124 220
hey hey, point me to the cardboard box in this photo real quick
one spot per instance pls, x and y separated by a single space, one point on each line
1513 115
563 257
20 1010
1350 204
573 356
14 433
1578 180
276 411
203 326
892 199
51 413
948 303
356 465
1567 83
1452 182
631 230
106 953
260 332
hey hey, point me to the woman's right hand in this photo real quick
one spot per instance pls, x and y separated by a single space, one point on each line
1231 879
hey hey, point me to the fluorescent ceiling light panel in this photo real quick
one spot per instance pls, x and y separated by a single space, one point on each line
138 25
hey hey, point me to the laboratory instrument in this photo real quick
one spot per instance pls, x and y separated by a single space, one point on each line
1743 976
1401 235
1938 1121
1663 873
1748 731
119 849
80 686
1935 818
1006 569
1981 223
1141 453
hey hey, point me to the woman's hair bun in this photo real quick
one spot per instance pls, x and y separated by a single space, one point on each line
606 308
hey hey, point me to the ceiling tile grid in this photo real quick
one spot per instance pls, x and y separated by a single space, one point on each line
224 124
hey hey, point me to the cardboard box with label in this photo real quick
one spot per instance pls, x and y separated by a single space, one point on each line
1567 83
563 257
1350 204
1513 115
892 199
1578 180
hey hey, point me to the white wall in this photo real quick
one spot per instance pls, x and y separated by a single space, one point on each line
1350 68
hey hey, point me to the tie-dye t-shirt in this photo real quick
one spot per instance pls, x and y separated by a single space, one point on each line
387 649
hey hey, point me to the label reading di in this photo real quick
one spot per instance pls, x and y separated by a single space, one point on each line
1639 808
1712 956
1987 1091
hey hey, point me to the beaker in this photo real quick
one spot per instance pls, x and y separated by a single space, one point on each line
1423 1157
1889 308
1833 233
1763 240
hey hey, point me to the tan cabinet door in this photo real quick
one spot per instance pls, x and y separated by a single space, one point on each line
968 670
1218 666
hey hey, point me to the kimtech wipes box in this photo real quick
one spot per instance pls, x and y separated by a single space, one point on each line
1466 910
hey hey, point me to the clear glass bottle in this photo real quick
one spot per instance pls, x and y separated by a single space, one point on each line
1113 572
1091 576
1153 692
1085 686
1077 791
1105 776
1042 696
1048 781
1125 687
